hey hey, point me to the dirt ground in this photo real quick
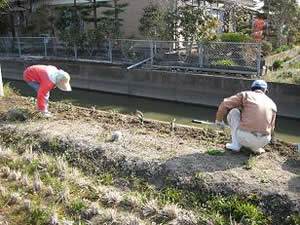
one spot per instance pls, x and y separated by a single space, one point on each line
151 148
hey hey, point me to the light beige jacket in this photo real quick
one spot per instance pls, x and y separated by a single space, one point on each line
258 111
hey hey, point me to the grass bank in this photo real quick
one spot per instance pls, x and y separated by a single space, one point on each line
67 170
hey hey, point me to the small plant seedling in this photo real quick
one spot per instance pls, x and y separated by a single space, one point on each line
200 176
140 115
107 179
173 125
215 151
264 179
250 163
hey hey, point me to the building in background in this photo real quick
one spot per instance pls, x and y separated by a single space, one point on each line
131 16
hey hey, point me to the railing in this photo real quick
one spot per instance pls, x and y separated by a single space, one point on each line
243 58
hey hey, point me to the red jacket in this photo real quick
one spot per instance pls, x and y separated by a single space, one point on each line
38 74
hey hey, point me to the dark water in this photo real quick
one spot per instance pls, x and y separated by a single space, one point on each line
287 129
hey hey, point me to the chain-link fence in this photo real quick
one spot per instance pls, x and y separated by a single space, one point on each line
175 54
231 56
205 56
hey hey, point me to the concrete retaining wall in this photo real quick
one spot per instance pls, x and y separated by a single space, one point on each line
181 87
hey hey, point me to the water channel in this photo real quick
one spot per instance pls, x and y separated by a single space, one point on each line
287 129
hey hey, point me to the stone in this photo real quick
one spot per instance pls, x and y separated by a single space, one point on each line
16 115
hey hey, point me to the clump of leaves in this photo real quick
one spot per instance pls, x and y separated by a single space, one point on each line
107 179
239 210
172 195
223 62
235 37
264 179
250 163
38 215
76 206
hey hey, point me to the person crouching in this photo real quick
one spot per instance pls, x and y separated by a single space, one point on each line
251 117
44 78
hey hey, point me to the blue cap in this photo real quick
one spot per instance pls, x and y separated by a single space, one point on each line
260 84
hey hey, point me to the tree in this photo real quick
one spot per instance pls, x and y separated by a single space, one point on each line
89 12
196 24
152 22
40 21
282 17
69 25
113 17
3 4
189 22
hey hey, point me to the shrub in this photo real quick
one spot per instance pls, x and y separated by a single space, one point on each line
282 48
235 37
277 64
266 48
223 62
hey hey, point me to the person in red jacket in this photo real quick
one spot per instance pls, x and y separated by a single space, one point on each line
43 79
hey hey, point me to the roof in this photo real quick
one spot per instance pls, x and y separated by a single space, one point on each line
66 2
242 2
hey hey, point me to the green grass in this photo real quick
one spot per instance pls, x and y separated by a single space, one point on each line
223 62
239 210
215 151
76 207
107 179
218 209
37 216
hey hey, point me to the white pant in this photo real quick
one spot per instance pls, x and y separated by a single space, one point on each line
240 138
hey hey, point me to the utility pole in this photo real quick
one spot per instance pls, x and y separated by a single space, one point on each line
95 14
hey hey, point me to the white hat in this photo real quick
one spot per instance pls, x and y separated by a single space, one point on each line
63 81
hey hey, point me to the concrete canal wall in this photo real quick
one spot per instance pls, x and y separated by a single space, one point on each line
174 86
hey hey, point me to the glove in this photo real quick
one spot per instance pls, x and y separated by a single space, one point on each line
220 124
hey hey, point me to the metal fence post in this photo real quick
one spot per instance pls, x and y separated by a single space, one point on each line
110 50
45 46
200 52
19 47
75 51
151 51
258 59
